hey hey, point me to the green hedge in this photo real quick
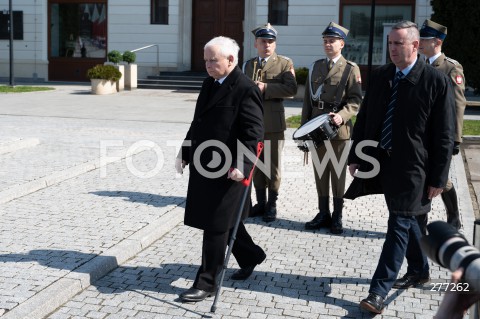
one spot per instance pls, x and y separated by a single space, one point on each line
104 72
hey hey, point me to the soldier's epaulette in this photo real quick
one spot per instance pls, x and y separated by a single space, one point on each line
351 62
284 57
452 60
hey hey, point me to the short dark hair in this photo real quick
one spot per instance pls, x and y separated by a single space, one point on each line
412 29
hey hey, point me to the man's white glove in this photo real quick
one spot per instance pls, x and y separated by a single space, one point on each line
179 165
235 175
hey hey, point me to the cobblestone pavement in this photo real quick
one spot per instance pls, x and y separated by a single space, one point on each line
103 239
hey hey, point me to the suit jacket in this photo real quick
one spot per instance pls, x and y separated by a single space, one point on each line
329 80
454 70
279 84
233 114
422 136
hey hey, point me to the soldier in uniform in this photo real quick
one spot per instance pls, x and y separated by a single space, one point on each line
275 77
432 36
334 88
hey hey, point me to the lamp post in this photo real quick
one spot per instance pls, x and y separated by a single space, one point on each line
10 29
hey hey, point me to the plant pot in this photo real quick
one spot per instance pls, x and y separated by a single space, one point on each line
130 76
121 82
102 87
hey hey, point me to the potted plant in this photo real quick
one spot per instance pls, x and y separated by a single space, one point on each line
103 78
115 57
130 70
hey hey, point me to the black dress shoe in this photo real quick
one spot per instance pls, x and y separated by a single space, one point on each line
373 303
321 220
408 281
270 215
194 295
244 273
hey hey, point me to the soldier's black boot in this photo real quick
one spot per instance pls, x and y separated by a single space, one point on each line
271 207
337 227
259 208
323 218
451 205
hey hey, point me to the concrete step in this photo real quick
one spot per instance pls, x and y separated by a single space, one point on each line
191 81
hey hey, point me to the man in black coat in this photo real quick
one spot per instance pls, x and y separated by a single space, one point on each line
228 122
409 117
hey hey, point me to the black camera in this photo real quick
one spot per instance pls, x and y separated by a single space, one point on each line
447 247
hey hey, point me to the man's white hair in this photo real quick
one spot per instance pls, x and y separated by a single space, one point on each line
227 47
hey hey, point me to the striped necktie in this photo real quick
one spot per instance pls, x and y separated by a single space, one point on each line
386 136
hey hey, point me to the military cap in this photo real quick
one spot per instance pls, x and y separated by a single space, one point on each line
265 31
432 30
335 30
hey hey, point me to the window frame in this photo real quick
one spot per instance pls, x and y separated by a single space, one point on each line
271 16
164 18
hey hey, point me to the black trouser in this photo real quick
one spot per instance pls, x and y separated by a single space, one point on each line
245 251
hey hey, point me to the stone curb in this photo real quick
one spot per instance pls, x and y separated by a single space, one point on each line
60 292
20 190
15 145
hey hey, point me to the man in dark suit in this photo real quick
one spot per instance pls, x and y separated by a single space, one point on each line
228 113
409 110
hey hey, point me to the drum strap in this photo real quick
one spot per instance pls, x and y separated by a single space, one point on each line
341 87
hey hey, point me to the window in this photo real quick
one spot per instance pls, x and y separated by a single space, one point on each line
17 25
159 12
356 18
278 12
78 30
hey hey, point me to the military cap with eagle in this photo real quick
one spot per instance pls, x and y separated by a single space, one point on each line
335 30
265 31
432 30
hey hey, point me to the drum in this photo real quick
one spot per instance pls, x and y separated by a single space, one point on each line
318 129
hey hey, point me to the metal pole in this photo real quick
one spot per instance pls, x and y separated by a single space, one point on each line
10 26
474 310
370 41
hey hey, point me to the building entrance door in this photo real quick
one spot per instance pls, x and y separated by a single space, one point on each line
213 18
77 38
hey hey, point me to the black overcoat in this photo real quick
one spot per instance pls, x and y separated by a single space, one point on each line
422 136
233 114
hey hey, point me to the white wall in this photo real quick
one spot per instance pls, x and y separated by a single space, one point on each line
29 54
302 39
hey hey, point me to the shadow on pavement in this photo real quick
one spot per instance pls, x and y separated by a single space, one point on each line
300 226
161 280
146 198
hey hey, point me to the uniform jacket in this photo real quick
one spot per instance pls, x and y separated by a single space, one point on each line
455 71
422 135
234 113
280 83
351 97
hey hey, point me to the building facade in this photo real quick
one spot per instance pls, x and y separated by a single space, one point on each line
58 40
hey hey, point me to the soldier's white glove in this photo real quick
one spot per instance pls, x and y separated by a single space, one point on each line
236 175
179 165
